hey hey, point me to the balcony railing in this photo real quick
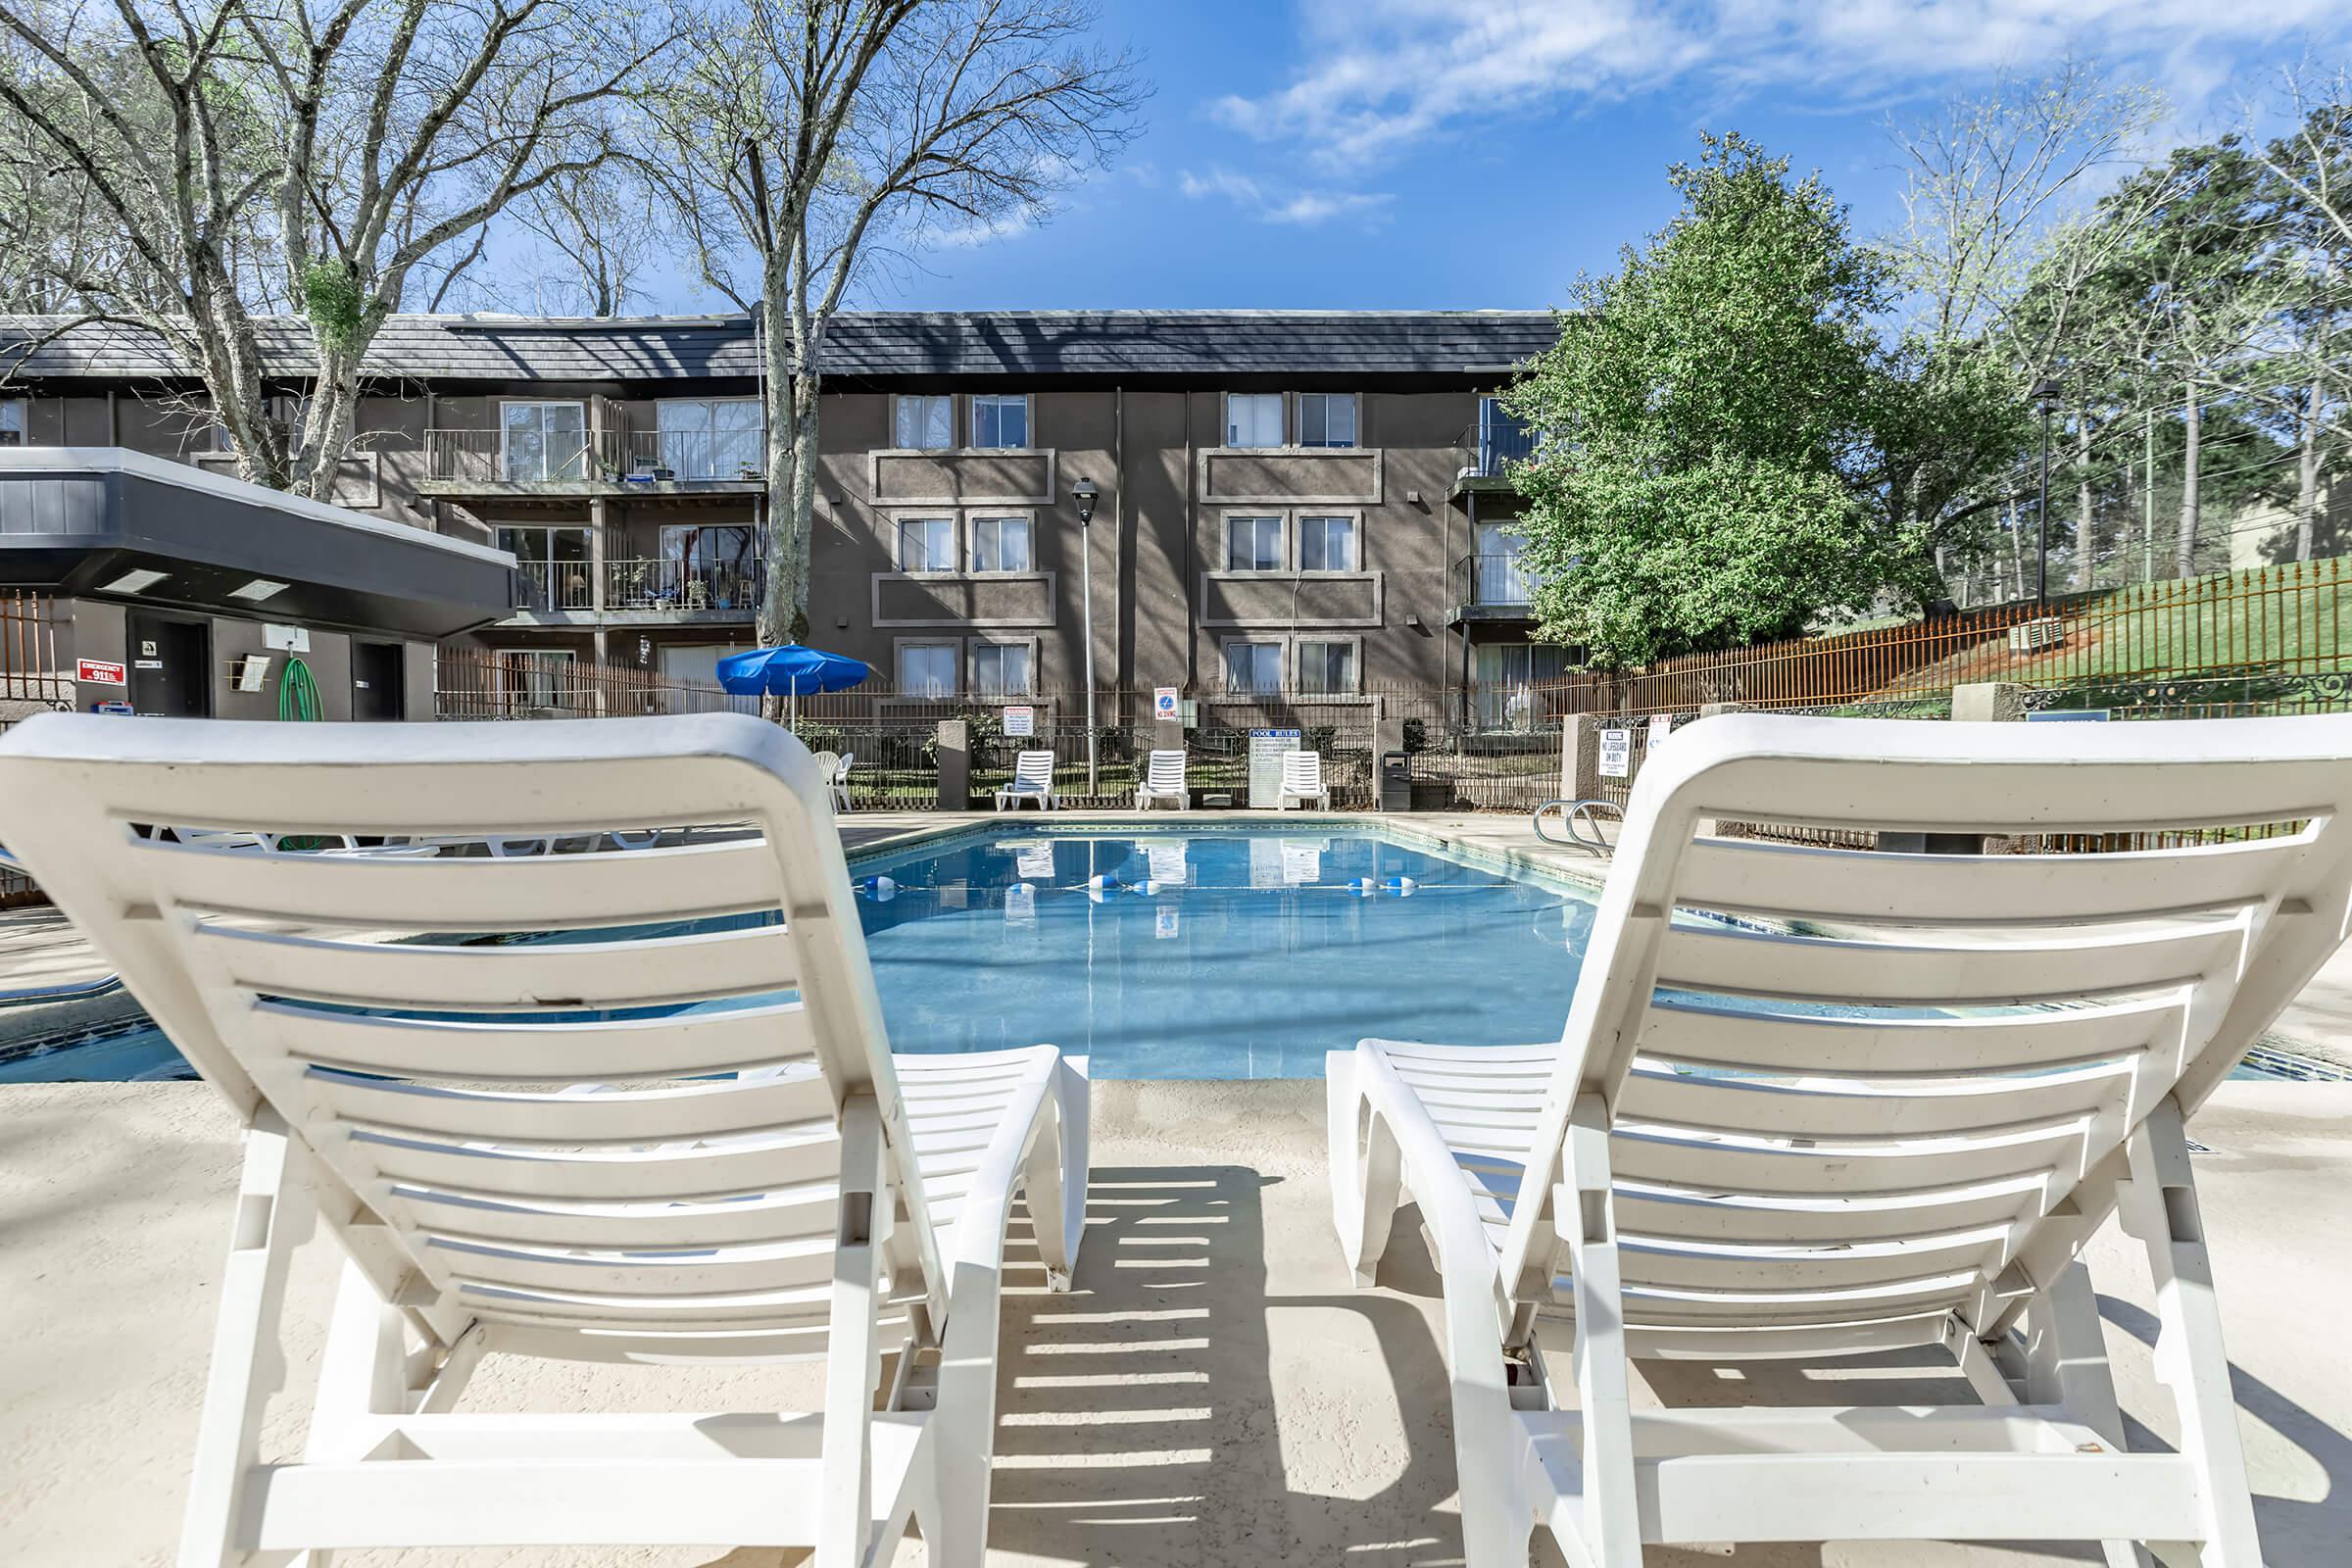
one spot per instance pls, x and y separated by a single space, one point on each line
1501 580
692 456
1492 444
604 457
680 585
556 585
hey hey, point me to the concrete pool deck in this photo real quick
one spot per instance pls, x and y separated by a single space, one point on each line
1213 1393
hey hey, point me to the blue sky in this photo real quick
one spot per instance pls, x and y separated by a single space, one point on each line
1356 154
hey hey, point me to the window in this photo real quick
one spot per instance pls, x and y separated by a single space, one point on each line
12 422
1001 670
1327 418
1327 544
532 677
1252 668
706 567
999 421
1506 676
1001 544
926 669
926 543
705 438
553 564
925 423
1498 577
1502 439
543 441
1327 667
1253 418
1252 544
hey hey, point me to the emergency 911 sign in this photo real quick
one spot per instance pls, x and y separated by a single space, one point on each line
97 672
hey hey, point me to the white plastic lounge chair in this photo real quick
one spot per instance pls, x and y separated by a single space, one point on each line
1302 781
754 1181
1032 780
1163 780
1685 1175
841 780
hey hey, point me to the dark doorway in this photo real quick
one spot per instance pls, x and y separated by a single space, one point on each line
378 683
171 665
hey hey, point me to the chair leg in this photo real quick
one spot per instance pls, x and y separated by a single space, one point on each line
276 1208
1054 1176
1585 1211
2160 1210
1367 1169
2066 1365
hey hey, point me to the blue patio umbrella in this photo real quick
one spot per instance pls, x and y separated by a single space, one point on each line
790 670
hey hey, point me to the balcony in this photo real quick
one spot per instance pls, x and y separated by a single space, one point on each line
1489 447
683 590
1493 588
636 592
593 463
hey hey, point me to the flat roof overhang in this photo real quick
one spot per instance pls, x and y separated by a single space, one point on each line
74 519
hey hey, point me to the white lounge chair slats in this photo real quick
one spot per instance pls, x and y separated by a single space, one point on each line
492 977
1884 1106
686 1110
1163 780
737 1040
653 1142
1302 781
1947 973
537 893
1032 780
1738 876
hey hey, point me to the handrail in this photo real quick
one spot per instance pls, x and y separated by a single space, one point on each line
1571 813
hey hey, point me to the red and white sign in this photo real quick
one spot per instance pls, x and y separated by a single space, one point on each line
97 672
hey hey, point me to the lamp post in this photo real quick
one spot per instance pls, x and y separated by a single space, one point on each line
2045 395
1084 493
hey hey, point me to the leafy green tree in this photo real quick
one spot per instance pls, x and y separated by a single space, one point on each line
1711 471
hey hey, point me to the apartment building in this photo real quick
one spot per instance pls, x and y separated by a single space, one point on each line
1304 501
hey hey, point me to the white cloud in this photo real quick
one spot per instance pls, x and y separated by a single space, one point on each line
1280 204
1385 75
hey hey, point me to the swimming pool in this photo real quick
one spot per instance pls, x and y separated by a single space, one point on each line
1160 953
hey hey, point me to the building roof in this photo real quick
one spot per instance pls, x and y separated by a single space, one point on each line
876 344
77 518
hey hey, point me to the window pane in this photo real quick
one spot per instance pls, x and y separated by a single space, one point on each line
1327 418
1253 418
927 670
999 421
925 423
12 422
926 543
1254 544
1001 670
1327 667
1252 668
1327 544
1001 544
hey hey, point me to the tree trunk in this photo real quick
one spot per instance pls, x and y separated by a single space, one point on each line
2085 567
792 437
2307 476
2017 557
2185 553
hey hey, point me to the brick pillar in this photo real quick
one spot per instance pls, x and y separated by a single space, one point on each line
1580 756
954 764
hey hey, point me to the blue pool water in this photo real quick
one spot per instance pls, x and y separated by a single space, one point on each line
1234 953
1248 956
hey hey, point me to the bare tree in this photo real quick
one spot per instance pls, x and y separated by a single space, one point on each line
327 157
597 227
1989 179
806 142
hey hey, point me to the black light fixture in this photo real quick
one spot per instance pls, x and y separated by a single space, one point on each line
1084 493
2045 395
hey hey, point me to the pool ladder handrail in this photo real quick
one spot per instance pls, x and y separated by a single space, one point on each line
1572 812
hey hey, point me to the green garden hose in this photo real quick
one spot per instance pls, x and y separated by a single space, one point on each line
297 693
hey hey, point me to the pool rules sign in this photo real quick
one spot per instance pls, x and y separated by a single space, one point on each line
1616 752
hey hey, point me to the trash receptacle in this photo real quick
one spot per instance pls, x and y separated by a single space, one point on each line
1396 782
